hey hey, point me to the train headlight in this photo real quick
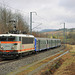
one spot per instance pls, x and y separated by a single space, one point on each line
1 47
12 47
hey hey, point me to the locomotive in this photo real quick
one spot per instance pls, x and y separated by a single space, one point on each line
15 45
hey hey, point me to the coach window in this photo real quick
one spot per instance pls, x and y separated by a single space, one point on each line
27 40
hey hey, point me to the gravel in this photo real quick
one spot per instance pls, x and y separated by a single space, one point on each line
14 65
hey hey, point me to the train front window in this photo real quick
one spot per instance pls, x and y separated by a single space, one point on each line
3 38
11 38
7 38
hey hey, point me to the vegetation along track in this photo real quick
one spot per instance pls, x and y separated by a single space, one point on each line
13 66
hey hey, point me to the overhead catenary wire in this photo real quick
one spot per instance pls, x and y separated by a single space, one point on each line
5 5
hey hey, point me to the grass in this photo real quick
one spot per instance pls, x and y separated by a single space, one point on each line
68 67
73 49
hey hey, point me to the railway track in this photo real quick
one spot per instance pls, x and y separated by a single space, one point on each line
12 65
4 61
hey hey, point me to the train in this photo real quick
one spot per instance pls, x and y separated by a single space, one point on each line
16 45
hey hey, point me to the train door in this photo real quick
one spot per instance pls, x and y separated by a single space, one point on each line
39 44
47 44
20 39
51 43
55 43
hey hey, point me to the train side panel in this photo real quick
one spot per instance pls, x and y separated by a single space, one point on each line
27 44
41 44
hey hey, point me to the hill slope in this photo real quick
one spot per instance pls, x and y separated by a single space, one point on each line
48 30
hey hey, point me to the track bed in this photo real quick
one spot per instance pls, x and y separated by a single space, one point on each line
14 65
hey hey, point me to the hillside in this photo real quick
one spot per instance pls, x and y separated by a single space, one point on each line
69 35
60 31
66 29
52 30
48 30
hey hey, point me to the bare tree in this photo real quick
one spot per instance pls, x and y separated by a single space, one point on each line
6 15
22 24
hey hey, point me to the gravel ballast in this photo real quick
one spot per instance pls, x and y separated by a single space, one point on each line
14 65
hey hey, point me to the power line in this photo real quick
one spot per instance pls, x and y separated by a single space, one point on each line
43 18
13 8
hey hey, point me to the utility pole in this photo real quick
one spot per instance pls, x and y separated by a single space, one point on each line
31 21
64 34
57 36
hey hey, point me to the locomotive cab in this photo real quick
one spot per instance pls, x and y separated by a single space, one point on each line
16 45
9 45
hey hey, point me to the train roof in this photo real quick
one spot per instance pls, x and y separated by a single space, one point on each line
46 38
19 35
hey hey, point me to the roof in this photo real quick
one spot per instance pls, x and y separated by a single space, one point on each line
47 38
20 35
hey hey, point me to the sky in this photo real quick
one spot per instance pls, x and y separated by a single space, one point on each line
51 14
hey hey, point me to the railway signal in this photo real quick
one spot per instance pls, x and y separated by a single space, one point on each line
14 24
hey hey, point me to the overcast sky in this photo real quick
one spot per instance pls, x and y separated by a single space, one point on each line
50 13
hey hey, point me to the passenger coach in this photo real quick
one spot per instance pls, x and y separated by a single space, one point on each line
46 43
